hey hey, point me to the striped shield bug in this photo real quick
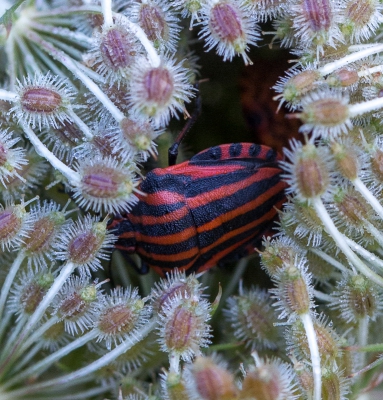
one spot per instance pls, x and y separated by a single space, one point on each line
211 209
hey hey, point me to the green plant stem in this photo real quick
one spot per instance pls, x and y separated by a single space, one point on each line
234 281
370 348
87 394
32 68
368 367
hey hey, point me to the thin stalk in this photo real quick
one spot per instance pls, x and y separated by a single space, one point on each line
361 46
11 64
86 9
153 56
65 272
58 283
372 258
8 96
67 49
72 176
174 363
29 60
323 296
10 278
92 74
370 348
72 378
77 37
314 353
50 64
341 242
37 368
329 259
361 108
4 322
375 233
71 65
333 66
11 339
81 124
38 333
87 394
27 357
107 13
66 22
365 192
363 337
368 367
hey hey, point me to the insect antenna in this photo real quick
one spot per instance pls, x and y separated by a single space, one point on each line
173 150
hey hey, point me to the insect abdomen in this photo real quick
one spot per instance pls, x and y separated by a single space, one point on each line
165 230
210 209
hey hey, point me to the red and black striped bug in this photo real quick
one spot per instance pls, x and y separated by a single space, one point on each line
209 210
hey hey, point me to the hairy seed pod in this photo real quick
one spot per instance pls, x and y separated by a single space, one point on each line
269 380
34 291
117 48
299 84
40 100
207 380
311 173
152 21
346 160
343 78
83 246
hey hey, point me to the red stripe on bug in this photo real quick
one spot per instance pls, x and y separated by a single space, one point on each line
162 219
239 211
227 190
214 260
184 255
198 172
233 234
171 239
162 197
161 270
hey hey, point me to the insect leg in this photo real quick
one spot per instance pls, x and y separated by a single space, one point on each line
143 270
